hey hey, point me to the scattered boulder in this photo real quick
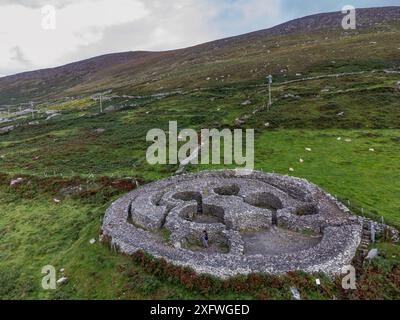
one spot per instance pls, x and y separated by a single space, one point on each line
372 149
398 86
295 293
291 96
50 112
177 245
372 254
111 109
53 116
100 130
15 182
308 149
62 280
246 103
92 241
180 170
70 191
4 120
7 129
239 122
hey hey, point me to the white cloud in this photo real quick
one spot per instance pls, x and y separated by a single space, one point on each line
37 3
165 26
87 28
78 24
18 56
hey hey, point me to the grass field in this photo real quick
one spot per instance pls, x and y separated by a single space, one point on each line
36 231
67 152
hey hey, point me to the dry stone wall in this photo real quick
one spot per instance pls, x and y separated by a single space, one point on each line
260 211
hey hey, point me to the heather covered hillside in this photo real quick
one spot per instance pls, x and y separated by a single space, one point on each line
300 46
335 121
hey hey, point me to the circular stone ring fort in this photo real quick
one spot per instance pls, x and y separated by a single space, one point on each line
255 223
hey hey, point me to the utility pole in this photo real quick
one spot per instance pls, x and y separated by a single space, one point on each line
33 114
373 232
269 80
101 103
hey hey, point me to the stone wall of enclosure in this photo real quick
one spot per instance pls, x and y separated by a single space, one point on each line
258 222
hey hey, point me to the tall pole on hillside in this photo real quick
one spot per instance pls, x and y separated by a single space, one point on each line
33 114
269 80
101 103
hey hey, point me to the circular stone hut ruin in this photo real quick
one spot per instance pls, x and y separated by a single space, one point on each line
256 223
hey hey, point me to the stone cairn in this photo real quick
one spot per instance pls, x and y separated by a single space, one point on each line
167 219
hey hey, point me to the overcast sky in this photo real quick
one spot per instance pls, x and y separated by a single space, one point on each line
88 28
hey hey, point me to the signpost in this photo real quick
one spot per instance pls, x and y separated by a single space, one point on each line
32 110
101 103
373 232
269 80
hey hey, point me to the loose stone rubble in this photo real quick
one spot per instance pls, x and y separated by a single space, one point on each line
257 222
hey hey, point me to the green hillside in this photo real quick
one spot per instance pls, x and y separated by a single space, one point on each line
334 92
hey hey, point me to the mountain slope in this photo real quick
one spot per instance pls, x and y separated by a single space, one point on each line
341 132
287 49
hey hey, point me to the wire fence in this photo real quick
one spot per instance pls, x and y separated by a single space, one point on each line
357 209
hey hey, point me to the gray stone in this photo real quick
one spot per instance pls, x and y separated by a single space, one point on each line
295 293
54 115
257 222
7 129
16 181
50 112
372 254
62 281
112 108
